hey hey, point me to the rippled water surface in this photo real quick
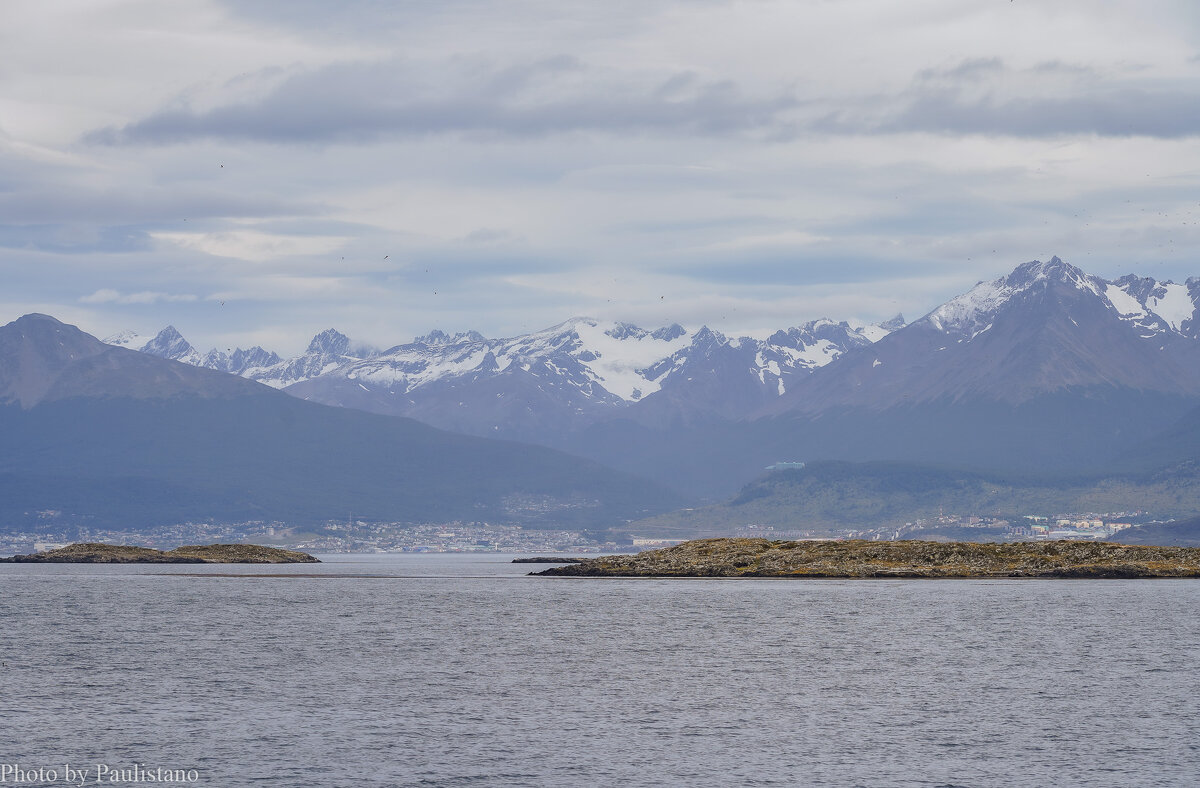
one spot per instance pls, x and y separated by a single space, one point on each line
458 670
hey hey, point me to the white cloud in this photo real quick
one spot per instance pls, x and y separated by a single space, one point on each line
649 160
110 296
252 245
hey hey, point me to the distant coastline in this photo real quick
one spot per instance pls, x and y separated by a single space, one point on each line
730 557
93 553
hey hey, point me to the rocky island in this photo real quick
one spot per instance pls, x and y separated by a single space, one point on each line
906 559
93 553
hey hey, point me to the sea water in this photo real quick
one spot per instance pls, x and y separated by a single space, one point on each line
455 670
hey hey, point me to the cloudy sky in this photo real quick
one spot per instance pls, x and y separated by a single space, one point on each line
254 171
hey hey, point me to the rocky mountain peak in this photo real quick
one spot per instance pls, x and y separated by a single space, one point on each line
169 343
330 342
625 331
972 312
438 337
1055 270
434 337
669 333
706 338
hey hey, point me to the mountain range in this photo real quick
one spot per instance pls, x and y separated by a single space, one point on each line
102 435
534 386
1046 378
1046 369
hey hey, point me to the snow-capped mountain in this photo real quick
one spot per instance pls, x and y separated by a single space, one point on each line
1157 307
1046 368
1152 307
536 385
569 375
131 340
1045 327
102 434
327 351
731 377
170 344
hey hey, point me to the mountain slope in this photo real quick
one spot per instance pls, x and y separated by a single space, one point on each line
104 434
1045 327
1039 370
832 497
1181 533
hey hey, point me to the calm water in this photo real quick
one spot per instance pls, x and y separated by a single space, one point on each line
458 670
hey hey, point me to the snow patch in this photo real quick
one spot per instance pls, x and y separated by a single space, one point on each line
964 312
1174 306
129 339
619 362
1126 305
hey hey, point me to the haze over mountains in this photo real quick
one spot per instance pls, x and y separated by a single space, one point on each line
101 435
1047 370
1046 378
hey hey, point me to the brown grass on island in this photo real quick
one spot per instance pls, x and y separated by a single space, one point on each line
95 553
729 557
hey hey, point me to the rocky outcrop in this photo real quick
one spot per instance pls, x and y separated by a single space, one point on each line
907 559
243 554
92 553
546 559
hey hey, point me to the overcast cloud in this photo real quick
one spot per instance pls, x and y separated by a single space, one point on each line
256 171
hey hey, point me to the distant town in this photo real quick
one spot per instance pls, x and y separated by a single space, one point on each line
348 536
356 536
1029 527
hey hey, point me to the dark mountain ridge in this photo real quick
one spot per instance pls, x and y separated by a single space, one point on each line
108 435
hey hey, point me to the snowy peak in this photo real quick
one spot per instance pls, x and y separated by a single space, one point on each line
1036 272
128 339
1156 306
1045 327
669 333
328 350
974 312
239 361
625 331
170 344
578 371
582 361
330 342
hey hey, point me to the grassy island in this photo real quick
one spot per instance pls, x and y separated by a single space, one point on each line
93 553
905 559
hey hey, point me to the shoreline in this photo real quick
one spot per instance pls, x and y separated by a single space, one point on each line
737 558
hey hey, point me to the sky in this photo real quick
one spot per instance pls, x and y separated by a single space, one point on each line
255 171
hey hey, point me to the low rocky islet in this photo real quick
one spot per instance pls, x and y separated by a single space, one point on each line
95 553
737 557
